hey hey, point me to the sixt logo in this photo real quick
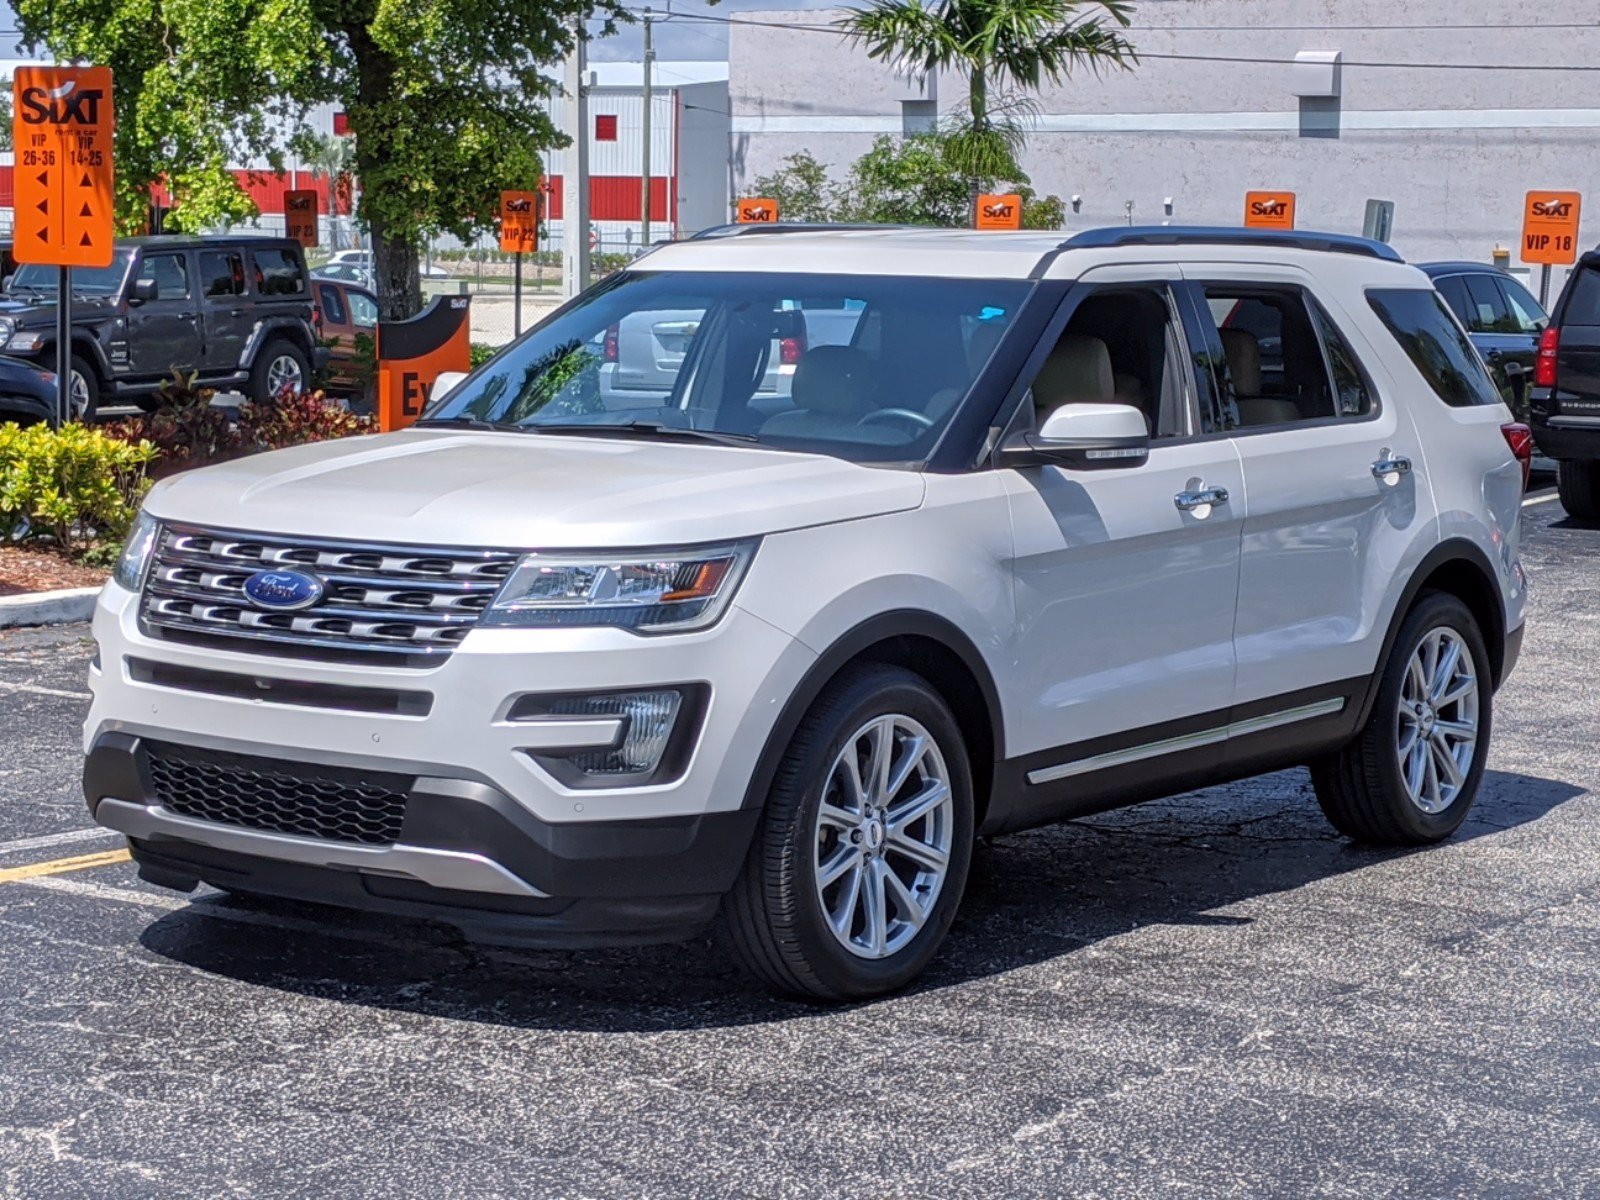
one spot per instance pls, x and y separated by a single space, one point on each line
64 105
1269 208
998 212
1552 208
298 203
521 205
757 212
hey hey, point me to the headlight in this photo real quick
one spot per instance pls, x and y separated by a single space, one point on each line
27 340
663 591
7 327
135 556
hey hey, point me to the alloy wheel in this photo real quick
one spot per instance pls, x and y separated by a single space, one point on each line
283 373
883 836
78 394
1436 725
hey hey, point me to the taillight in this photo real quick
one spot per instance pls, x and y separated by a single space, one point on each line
610 352
1520 438
790 349
316 317
1544 366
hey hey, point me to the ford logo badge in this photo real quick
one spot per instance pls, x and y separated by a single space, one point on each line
282 590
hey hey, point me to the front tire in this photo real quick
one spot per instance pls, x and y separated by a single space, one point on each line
1578 484
863 849
281 366
83 389
1411 774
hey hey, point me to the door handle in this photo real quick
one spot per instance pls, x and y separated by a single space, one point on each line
1389 468
1204 498
236 312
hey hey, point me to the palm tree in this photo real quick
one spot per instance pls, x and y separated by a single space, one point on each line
333 156
1009 46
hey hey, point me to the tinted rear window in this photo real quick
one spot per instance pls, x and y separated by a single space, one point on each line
1583 298
278 273
1436 345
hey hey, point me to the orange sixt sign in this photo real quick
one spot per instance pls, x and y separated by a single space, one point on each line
756 210
998 212
1269 210
1550 228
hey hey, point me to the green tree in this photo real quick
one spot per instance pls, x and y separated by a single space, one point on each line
802 189
445 99
1004 49
910 181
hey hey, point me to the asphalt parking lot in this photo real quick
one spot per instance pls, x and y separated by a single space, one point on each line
1212 995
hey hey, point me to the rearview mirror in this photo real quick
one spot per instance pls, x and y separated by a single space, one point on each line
144 291
1084 437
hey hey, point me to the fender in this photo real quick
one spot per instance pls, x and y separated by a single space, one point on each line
1454 550
294 327
884 626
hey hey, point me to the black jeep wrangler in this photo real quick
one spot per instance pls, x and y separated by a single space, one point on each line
235 311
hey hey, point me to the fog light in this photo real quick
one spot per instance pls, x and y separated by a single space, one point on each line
649 718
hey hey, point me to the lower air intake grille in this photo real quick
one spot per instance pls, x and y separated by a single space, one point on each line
261 794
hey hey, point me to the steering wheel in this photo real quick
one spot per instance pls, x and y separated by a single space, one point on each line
920 420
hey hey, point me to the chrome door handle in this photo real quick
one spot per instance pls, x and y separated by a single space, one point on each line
1399 464
1204 498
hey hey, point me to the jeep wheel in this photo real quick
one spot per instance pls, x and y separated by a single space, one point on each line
863 849
281 366
83 389
1411 774
1578 484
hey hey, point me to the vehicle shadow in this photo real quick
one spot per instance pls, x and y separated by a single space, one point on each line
1032 897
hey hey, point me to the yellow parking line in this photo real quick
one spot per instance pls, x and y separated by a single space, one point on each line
59 866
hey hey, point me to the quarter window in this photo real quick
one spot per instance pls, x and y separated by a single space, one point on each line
1525 310
1489 311
1436 345
278 273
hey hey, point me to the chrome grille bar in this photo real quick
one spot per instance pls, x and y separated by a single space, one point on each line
378 599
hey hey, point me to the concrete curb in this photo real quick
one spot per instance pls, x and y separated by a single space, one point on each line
48 608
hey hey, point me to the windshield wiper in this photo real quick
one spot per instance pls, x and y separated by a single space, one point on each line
650 429
473 423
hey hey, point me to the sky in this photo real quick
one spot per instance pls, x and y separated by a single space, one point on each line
681 40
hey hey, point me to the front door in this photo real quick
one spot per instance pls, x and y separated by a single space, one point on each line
1337 484
164 332
228 322
1125 578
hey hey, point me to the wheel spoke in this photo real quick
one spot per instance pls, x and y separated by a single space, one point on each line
910 758
843 915
929 858
1409 739
910 911
882 754
852 776
1447 760
1414 768
1416 687
1463 688
838 818
914 808
842 860
1445 671
1462 731
1430 779
874 905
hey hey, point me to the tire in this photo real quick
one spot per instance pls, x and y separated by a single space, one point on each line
775 919
279 359
1362 789
1578 484
87 402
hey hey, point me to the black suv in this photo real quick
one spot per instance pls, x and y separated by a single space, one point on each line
236 311
1565 401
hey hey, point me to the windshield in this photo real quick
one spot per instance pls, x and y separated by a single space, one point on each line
869 368
86 281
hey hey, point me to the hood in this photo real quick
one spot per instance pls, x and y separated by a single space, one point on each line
526 491
30 313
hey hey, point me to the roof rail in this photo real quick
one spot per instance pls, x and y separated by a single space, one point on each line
1222 235
722 231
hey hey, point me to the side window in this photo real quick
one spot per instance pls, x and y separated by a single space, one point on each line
1489 311
1454 290
332 304
1525 310
221 273
363 311
1349 380
1435 344
170 273
278 273
1120 346
1276 372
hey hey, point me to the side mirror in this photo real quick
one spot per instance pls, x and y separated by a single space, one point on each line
144 291
1083 437
446 383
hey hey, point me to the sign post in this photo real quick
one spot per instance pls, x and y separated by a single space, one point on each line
519 234
1550 234
61 130
1269 210
998 212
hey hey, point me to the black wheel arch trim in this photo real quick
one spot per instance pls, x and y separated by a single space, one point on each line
886 626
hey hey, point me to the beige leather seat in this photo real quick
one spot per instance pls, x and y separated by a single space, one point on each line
1078 370
832 389
1243 351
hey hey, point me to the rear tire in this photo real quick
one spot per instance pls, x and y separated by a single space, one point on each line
1410 775
1578 484
280 364
851 898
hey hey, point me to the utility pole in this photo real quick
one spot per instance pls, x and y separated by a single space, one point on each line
575 179
644 175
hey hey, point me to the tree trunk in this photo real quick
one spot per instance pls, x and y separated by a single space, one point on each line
396 274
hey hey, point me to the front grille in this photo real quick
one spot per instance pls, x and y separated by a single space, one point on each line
377 600
258 794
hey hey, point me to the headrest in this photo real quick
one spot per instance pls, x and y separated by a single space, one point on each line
1243 352
1078 370
833 379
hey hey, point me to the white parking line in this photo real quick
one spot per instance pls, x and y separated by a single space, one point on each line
36 690
1532 500
56 839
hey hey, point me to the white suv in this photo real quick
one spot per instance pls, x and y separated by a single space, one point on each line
1064 526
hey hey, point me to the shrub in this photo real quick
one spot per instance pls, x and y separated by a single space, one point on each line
481 353
295 420
76 485
184 428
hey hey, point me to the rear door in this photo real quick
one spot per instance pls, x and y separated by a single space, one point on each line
225 310
164 333
1506 347
1335 477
